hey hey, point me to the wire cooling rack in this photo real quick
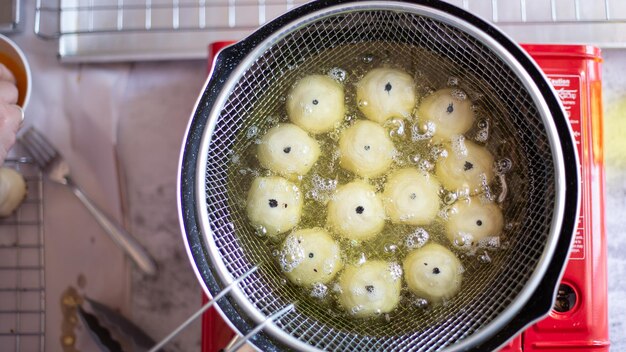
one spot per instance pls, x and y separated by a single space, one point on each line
22 283
114 30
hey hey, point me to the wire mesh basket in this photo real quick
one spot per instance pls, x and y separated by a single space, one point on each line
22 282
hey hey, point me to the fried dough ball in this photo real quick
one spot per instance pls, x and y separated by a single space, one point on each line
316 103
433 272
310 256
274 205
473 220
468 167
411 197
370 289
355 211
288 150
385 93
12 190
365 149
449 110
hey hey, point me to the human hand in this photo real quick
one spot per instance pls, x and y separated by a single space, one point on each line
11 114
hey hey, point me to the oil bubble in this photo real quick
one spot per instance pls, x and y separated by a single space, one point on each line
396 127
416 239
504 186
423 132
390 248
486 189
415 158
420 303
482 135
319 290
338 74
458 145
450 197
484 258
503 166
356 309
458 94
437 152
453 81
395 270
482 123
491 242
425 165
261 231
463 240
368 58
292 254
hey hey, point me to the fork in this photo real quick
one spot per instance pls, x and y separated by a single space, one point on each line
57 169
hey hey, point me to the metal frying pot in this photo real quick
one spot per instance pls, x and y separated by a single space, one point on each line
527 124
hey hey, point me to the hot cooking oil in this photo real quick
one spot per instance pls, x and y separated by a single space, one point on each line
413 148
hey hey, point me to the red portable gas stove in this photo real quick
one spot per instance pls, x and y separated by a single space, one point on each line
579 319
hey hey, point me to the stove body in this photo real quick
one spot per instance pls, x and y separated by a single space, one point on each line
579 319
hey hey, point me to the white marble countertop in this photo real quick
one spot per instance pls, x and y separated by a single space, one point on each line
121 127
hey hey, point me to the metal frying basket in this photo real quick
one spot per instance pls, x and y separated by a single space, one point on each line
527 124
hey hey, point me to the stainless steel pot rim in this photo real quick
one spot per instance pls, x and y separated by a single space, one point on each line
420 9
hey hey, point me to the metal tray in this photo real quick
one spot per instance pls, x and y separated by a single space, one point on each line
130 30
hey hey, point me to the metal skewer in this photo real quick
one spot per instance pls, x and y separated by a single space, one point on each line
258 328
203 309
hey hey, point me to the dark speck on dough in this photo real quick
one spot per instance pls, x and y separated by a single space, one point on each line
450 108
388 87
468 166
436 271
360 210
273 203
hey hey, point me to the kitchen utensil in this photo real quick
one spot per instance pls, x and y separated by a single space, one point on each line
200 311
57 170
112 331
11 18
526 123
114 30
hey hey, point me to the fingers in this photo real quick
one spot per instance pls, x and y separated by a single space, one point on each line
8 92
10 117
5 74
10 121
